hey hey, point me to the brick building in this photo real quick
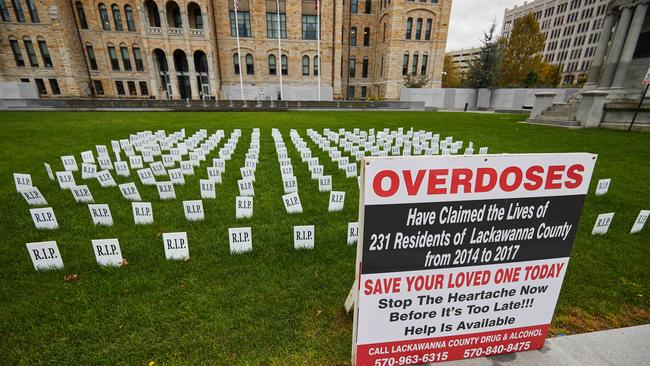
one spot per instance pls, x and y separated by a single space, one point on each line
187 48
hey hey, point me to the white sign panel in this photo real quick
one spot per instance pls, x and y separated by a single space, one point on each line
45 255
245 187
142 213
105 179
101 214
48 170
22 181
325 183
243 207
640 221
146 177
602 223
33 196
303 237
193 210
69 163
603 186
176 246
66 180
88 170
82 194
107 252
337 199
241 239
208 189
130 191
166 190
292 203
353 232
44 218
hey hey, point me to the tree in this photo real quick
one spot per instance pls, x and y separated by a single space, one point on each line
521 58
451 77
413 81
550 76
483 71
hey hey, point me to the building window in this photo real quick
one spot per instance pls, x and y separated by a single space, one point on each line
414 65
112 55
195 16
244 20
31 53
350 92
18 56
409 27
368 8
418 29
316 65
250 69
45 53
40 85
381 69
405 64
235 62
384 37
54 86
272 65
83 23
366 37
353 67
272 25
305 65
284 61
130 20
144 90
33 12
354 6
364 91
20 15
99 87
132 89
427 32
4 12
91 57
364 68
117 18
120 88
309 27
425 60
137 56
103 14
353 36
125 58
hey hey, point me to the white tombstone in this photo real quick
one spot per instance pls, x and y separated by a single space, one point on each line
22 181
130 191
48 170
166 190
66 179
146 177
107 252
303 237
176 246
105 179
245 187
101 214
603 186
176 176
44 218
336 202
208 189
325 183
640 221
292 203
33 196
122 168
243 207
69 163
142 213
240 239
193 210
88 171
45 255
353 232
602 223
82 194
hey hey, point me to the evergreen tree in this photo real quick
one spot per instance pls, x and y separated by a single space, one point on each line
483 71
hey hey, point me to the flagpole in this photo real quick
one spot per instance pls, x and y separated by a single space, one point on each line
241 80
318 44
279 59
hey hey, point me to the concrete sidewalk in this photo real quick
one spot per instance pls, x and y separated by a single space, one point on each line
623 346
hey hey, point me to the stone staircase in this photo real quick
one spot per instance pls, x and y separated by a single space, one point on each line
559 114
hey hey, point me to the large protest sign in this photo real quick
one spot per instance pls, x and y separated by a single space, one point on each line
462 256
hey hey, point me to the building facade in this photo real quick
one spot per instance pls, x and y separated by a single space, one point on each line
187 49
463 58
572 30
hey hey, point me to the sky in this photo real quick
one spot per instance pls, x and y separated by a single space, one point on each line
470 18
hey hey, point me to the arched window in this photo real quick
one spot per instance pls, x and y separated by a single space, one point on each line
425 60
316 66
414 65
130 20
353 36
153 15
194 16
366 36
235 62
182 74
83 23
352 67
103 15
418 29
364 67
272 65
305 65
427 31
409 27
405 64
173 15
201 68
117 18
284 61
384 37
250 69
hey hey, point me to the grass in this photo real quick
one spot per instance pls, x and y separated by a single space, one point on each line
276 305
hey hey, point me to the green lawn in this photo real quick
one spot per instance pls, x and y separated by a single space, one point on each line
274 306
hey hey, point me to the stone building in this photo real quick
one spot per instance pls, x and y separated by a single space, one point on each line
187 49
462 58
572 30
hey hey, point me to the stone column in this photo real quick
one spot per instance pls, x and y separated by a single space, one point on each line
615 49
543 101
591 109
630 45
173 79
193 83
599 57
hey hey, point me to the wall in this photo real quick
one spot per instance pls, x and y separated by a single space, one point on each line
271 91
481 99
12 90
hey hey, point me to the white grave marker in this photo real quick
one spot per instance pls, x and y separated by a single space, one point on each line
105 179
130 191
353 232
243 207
245 187
48 169
22 181
290 184
45 255
303 237
87 157
166 190
176 246
33 196
44 218
325 183
337 199
207 189
107 252
142 213
640 221
241 239
193 210
101 214
292 203
602 223
176 176
66 180
603 186
69 163
146 177
88 170
82 194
